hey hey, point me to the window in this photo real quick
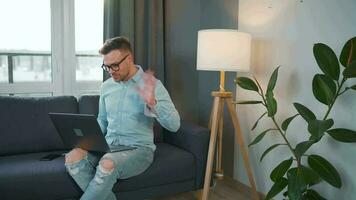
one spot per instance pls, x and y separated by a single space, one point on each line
25 46
32 94
31 67
4 78
51 48
89 39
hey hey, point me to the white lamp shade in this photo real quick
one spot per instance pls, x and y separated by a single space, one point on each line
223 49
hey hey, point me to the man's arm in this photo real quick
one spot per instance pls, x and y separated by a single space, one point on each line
102 118
163 109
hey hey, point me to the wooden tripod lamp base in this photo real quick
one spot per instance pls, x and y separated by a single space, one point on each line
217 114
223 50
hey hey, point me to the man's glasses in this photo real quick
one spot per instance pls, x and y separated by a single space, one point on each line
115 66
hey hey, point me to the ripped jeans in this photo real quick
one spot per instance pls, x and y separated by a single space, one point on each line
97 182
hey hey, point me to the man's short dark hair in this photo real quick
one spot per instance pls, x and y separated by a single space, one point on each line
119 43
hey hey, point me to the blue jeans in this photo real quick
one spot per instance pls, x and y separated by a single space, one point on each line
97 182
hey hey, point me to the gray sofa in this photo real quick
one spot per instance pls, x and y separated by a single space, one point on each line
27 134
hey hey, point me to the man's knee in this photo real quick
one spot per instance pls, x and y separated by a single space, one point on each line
107 164
75 155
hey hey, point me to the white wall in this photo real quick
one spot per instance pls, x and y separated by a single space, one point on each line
283 33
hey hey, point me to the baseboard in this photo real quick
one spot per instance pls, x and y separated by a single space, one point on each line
242 188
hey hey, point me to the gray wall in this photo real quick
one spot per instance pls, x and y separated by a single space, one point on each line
190 89
283 33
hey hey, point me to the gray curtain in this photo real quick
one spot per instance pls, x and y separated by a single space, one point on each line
191 89
141 21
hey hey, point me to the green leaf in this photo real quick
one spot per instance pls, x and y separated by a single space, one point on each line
313 195
271 104
302 147
350 71
299 179
281 169
285 194
259 137
272 80
295 184
348 53
268 150
317 128
307 114
255 124
324 89
246 83
310 177
327 60
277 187
248 102
325 170
287 121
343 135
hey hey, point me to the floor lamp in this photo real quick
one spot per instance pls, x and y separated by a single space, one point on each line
223 50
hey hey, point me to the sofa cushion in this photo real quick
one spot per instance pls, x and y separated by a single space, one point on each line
89 104
25 125
26 177
171 165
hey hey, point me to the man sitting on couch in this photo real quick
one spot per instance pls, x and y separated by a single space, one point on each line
129 102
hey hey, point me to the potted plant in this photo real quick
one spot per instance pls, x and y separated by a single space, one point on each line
297 175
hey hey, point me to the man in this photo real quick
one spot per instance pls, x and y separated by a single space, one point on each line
129 102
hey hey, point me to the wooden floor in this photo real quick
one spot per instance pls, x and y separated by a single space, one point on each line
226 189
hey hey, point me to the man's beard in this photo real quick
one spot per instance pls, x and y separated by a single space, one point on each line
120 78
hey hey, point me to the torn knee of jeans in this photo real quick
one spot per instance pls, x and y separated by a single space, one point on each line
98 180
106 166
74 170
74 167
84 157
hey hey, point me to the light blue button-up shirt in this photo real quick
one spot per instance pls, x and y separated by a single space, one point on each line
125 118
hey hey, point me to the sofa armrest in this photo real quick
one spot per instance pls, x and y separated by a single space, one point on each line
195 139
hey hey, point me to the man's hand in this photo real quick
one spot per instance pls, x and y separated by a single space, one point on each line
147 93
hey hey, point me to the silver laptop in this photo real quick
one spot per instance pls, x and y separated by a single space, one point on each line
83 131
